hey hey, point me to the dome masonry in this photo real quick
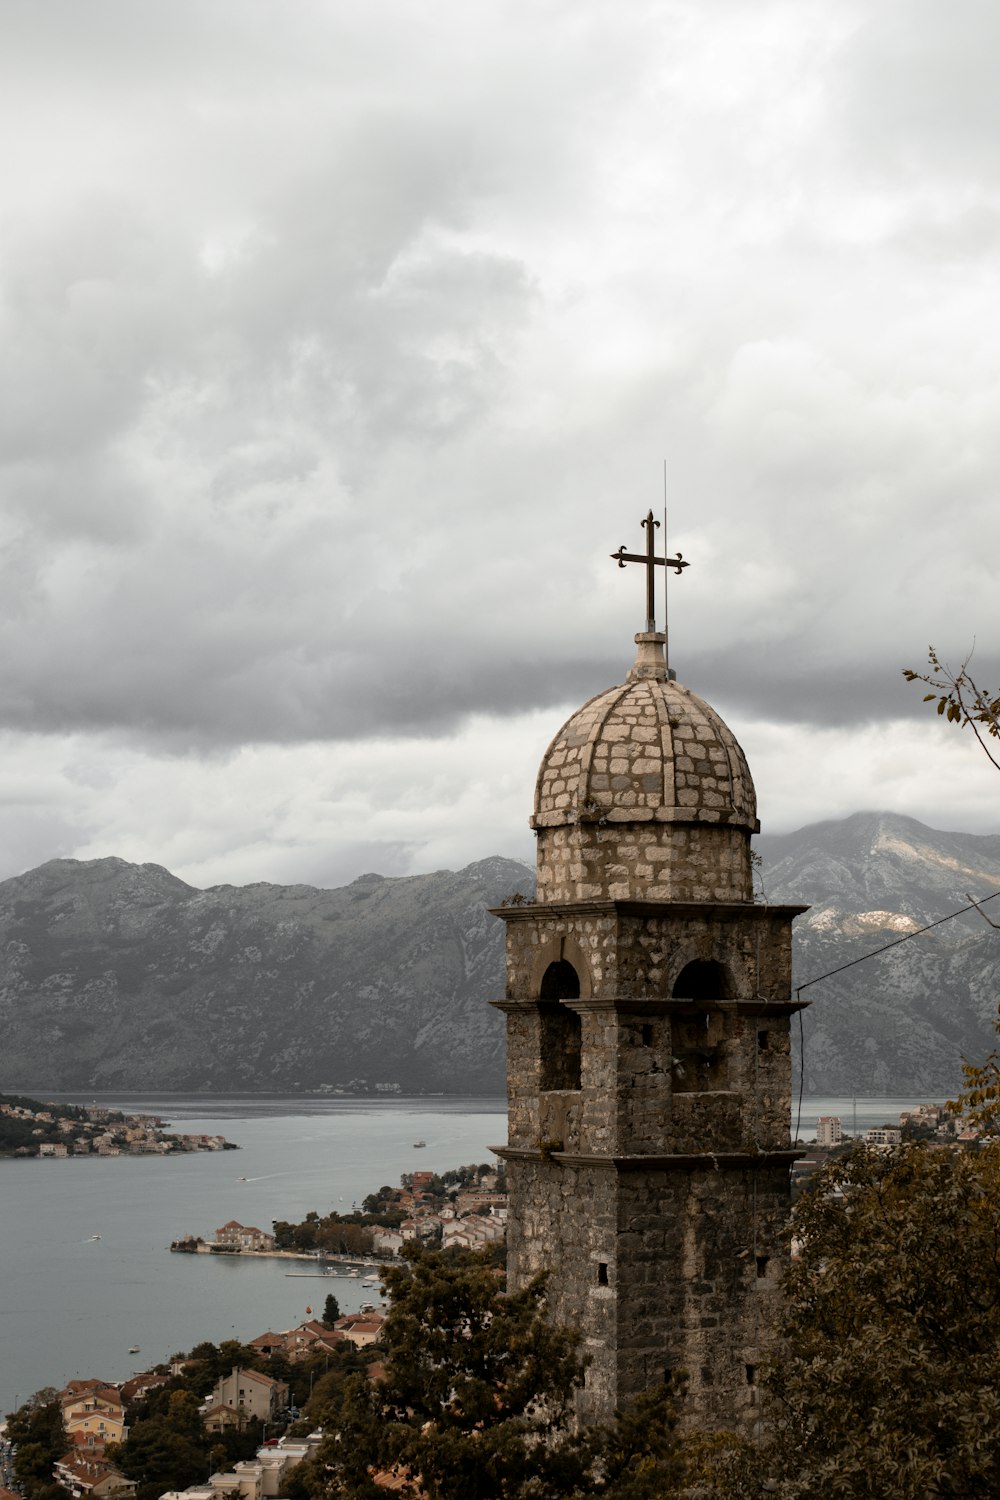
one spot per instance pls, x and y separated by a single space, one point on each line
645 794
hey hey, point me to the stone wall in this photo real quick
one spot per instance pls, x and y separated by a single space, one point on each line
653 861
663 1271
629 949
567 1226
654 1191
641 1086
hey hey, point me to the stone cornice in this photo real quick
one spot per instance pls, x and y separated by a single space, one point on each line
704 1161
657 1005
688 817
683 911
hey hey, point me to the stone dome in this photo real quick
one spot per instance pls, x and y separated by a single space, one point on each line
645 794
647 750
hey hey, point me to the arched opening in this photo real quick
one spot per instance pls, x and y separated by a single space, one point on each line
699 1063
559 1027
702 979
560 982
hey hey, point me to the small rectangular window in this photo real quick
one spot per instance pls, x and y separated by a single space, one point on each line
762 1041
647 1036
751 1374
762 1261
602 1273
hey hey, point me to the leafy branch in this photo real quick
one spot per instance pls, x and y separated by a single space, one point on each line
961 700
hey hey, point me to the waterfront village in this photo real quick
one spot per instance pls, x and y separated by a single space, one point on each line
30 1128
465 1208
253 1401
96 1416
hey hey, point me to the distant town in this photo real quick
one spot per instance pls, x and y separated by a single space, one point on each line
928 1122
260 1386
93 1419
465 1209
934 1124
31 1128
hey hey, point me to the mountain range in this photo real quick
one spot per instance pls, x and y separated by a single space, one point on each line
118 976
900 1023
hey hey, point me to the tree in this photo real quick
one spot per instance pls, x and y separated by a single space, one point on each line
331 1310
38 1432
167 1451
639 1457
321 1404
961 700
477 1401
885 1381
978 1104
216 1360
160 1458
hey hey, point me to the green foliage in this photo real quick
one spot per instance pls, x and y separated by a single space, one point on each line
214 1360
167 1447
66 1111
376 1203
639 1457
161 1457
337 1234
37 1429
477 1401
961 700
979 1101
331 1311
885 1381
324 1394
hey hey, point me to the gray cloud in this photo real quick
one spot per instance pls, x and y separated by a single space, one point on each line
338 351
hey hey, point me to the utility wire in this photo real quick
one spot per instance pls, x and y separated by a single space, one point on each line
974 906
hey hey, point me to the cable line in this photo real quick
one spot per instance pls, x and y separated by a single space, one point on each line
974 906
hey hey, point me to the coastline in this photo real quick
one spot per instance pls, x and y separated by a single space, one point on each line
226 1252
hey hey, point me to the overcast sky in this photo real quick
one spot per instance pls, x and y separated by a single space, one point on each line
341 343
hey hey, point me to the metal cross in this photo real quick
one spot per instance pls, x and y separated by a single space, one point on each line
652 562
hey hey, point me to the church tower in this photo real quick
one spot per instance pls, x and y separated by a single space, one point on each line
648 1008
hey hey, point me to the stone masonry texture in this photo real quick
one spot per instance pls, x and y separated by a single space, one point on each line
653 1182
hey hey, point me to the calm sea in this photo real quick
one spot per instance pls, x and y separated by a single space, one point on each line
72 1305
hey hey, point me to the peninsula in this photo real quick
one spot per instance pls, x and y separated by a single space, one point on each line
33 1128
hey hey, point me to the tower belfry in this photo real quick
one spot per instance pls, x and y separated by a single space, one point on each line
648 1005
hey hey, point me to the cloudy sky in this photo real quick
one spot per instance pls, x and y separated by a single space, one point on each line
341 341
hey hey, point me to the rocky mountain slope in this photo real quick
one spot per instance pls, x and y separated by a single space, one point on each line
902 1022
120 976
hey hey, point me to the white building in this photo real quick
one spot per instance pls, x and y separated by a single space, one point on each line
883 1135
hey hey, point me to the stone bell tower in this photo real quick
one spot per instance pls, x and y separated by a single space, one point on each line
648 1009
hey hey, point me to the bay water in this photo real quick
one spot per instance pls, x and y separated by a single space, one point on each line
72 1305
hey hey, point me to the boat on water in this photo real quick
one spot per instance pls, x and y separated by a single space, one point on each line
354 1273
134 1349
92 1238
372 1281
418 1144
